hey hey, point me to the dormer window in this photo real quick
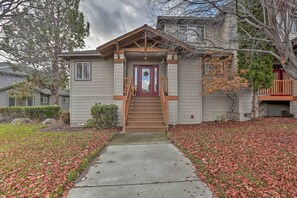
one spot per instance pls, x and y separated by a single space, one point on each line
191 33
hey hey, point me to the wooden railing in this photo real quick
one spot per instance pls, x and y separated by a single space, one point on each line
128 93
279 88
163 98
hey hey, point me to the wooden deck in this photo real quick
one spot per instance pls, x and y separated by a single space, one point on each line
281 90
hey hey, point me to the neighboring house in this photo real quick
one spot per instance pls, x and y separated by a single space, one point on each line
9 77
150 62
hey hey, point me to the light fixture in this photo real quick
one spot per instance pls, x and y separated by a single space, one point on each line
145 58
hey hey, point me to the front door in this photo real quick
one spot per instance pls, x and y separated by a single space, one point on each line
146 80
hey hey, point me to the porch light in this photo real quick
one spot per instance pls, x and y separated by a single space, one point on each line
145 58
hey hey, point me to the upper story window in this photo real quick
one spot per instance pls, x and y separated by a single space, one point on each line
294 26
82 70
191 33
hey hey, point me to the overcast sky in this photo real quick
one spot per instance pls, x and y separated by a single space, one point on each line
112 18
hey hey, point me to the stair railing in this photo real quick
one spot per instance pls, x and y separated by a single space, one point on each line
128 93
163 98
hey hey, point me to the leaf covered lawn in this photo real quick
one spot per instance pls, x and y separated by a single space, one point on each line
44 164
243 159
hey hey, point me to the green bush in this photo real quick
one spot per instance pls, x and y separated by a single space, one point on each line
104 116
65 117
33 113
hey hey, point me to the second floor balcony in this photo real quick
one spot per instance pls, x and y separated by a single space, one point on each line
280 90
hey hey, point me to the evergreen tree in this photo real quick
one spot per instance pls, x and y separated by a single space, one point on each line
36 38
258 66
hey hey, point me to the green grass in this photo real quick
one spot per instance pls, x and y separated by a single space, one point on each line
34 163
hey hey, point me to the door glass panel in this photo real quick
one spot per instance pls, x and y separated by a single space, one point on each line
155 80
275 75
146 79
135 76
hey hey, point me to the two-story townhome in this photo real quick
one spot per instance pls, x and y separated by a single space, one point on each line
154 77
8 78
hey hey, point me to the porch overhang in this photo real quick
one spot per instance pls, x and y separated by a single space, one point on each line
144 39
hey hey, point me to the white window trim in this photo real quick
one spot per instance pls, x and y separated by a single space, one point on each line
67 101
75 71
15 101
42 100
187 26
294 22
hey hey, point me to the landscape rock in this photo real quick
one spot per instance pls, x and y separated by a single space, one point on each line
21 121
49 121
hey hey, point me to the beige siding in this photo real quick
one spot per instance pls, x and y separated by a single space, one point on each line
245 104
172 72
189 90
3 98
215 107
85 94
118 79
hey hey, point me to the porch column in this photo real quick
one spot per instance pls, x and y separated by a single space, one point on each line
172 70
119 67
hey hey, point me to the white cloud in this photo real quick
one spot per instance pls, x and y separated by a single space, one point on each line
111 18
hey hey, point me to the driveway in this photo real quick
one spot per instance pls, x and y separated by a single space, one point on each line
140 165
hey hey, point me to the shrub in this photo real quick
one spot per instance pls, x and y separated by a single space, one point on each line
65 117
104 116
33 113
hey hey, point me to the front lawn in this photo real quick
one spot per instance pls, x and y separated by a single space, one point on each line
44 164
243 159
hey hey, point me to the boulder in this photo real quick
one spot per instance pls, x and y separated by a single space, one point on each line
21 121
49 121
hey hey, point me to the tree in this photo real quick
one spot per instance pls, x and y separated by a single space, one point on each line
7 8
22 90
222 77
35 40
258 65
276 23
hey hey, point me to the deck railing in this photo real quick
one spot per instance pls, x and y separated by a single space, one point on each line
128 93
279 88
163 98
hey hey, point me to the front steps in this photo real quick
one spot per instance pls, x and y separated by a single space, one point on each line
145 115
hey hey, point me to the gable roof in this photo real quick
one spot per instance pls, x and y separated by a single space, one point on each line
6 69
84 53
138 34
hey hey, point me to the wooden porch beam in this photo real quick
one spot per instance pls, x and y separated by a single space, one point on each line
276 98
153 45
117 49
142 49
137 44
145 41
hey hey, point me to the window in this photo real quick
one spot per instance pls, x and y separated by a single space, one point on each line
83 71
208 68
65 100
19 102
44 100
294 26
191 33
213 68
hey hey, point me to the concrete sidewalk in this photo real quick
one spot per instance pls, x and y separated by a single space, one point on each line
140 165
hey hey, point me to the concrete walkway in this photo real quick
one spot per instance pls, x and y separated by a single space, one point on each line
140 165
